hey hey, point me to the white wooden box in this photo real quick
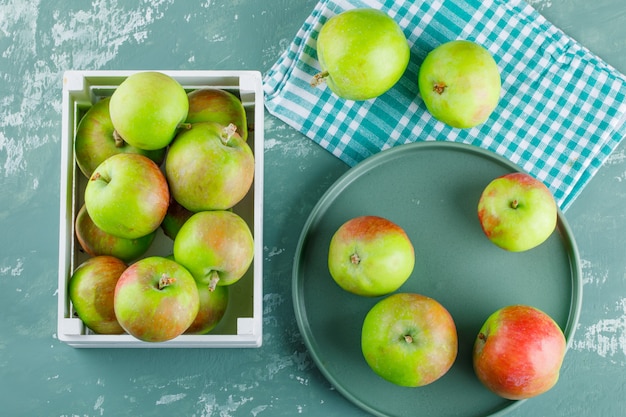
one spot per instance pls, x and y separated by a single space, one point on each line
242 325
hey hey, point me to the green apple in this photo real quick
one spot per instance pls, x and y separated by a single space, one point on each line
156 299
518 352
127 196
174 219
147 109
409 339
459 82
213 304
91 289
96 241
209 167
370 256
217 105
217 247
95 141
517 212
362 52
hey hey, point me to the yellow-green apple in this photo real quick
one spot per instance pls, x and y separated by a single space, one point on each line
460 84
518 352
363 52
156 299
174 219
409 339
370 256
213 306
96 241
127 196
94 140
217 105
148 108
91 289
217 247
517 212
209 167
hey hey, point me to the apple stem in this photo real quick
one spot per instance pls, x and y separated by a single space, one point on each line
355 259
228 133
319 78
514 204
215 278
184 125
408 338
165 281
119 140
439 87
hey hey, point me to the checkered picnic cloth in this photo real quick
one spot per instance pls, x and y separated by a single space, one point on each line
562 109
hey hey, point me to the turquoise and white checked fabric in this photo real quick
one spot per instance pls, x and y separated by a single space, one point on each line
562 109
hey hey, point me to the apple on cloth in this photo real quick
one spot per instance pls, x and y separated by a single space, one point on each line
562 110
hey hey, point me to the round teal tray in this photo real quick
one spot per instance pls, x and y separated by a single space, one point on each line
431 189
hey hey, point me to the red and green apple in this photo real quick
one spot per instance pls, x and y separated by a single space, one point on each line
409 339
517 212
156 299
96 241
370 256
209 167
91 290
460 84
217 247
95 141
217 105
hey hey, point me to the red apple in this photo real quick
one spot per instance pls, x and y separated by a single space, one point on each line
409 339
217 247
209 167
213 304
370 256
127 196
91 289
518 352
517 212
94 141
156 299
96 241
217 105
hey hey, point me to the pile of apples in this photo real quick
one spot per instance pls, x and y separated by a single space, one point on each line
410 339
159 157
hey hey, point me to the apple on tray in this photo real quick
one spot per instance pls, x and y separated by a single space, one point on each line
409 339
147 109
460 84
370 256
95 140
517 212
518 352
127 196
209 167
96 241
91 290
362 52
217 247
156 299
